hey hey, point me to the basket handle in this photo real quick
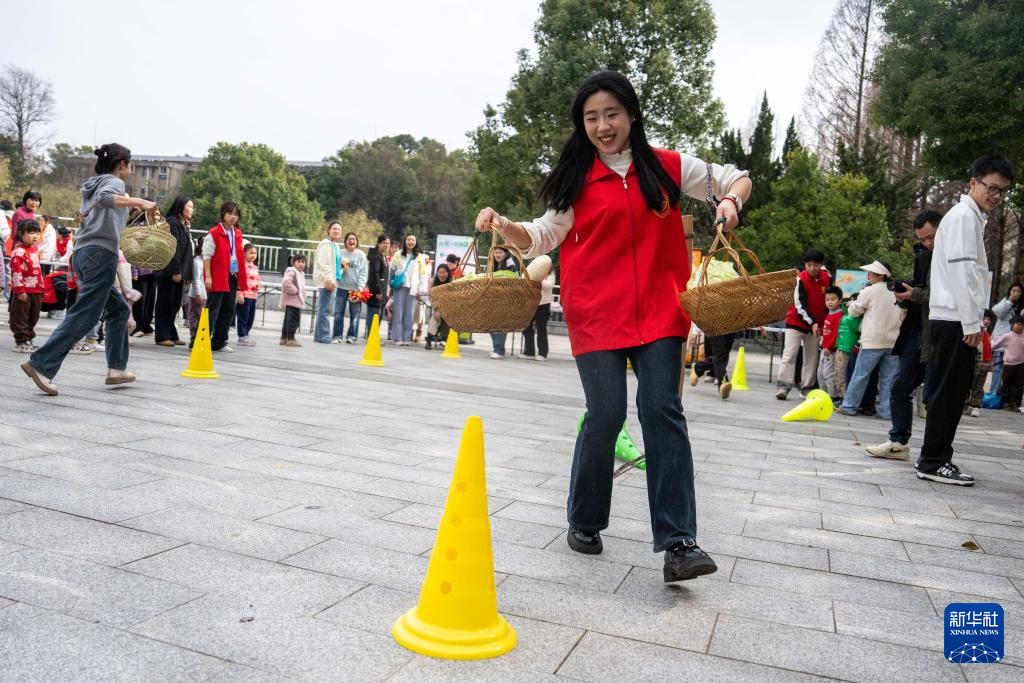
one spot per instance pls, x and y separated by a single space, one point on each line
473 251
153 217
509 248
733 249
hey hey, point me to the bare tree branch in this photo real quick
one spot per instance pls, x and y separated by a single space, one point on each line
25 102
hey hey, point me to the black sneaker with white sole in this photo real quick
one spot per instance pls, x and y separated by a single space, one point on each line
685 560
948 474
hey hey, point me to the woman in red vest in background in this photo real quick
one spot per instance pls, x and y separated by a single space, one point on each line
224 273
612 199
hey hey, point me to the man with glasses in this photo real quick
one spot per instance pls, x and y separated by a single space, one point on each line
959 294
910 345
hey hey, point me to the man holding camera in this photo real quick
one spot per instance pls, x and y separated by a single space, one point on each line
910 345
959 293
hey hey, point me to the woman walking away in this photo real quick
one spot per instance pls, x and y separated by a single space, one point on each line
105 210
408 280
611 198
172 280
351 283
224 274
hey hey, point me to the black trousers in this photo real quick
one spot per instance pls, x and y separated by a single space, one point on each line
1012 386
540 325
168 303
222 313
950 383
292 317
142 310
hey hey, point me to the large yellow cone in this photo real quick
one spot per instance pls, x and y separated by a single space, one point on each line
451 347
200 363
739 372
817 406
371 356
457 615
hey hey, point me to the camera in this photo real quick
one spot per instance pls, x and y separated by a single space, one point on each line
897 286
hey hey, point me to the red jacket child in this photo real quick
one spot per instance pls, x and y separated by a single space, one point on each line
830 330
26 273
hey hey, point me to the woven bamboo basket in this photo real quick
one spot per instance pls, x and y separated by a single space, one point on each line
488 304
734 305
151 245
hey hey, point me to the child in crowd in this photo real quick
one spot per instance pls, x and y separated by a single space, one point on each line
846 341
26 285
982 367
1012 344
63 241
196 294
224 273
293 299
829 334
247 309
803 324
48 242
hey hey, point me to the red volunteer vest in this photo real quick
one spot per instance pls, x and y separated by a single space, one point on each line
220 264
623 265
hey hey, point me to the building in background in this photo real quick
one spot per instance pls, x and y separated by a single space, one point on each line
156 177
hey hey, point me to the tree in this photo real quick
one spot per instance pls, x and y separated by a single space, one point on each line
365 228
25 101
662 46
814 208
764 168
791 143
272 196
56 165
836 97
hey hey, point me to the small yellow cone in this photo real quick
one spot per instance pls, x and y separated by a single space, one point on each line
451 347
372 354
817 406
200 363
457 614
693 374
739 372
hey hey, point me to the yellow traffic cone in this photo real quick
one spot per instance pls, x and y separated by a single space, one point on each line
817 406
200 362
372 354
451 347
693 374
739 372
457 614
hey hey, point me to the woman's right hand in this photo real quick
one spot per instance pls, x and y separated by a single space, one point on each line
145 204
485 218
209 283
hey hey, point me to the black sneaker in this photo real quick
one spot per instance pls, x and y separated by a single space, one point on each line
584 542
685 560
948 474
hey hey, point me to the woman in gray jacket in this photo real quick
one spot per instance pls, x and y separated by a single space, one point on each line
104 211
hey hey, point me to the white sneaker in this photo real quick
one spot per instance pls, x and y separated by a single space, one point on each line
975 412
81 349
246 341
225 349
24 347
890 451
709 379
119 377
540 358
496 356
339 340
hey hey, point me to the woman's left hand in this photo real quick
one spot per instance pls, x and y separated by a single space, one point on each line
727 210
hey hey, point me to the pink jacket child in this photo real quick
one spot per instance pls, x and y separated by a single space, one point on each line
293 300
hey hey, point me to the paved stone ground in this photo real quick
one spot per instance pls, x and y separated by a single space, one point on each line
140 525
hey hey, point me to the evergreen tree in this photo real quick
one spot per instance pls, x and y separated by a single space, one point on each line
791 143
764 168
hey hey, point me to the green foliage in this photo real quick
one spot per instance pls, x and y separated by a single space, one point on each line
662 46
399 181
272 197
764 168
365 228
892 190
811 208
954 71
19 172
791 143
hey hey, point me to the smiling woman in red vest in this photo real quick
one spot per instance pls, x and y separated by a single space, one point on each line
612 199
224 273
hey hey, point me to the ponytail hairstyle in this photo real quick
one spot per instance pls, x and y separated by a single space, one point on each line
110 155
565 182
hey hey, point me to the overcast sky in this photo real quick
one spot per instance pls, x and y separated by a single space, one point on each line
306 77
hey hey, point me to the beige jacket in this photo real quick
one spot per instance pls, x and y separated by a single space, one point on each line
881 317
325 266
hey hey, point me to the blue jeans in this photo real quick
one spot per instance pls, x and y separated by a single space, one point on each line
669 459
322 327
245 316
400 328
498 342
908 379
867 361
997 371
96 270
354 309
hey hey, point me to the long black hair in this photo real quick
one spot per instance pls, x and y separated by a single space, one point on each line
565 182
177 206
416 251
109 156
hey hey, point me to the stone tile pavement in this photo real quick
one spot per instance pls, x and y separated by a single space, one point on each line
271 525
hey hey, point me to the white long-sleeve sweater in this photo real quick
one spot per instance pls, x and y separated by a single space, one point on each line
960 279
881 317
548 231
